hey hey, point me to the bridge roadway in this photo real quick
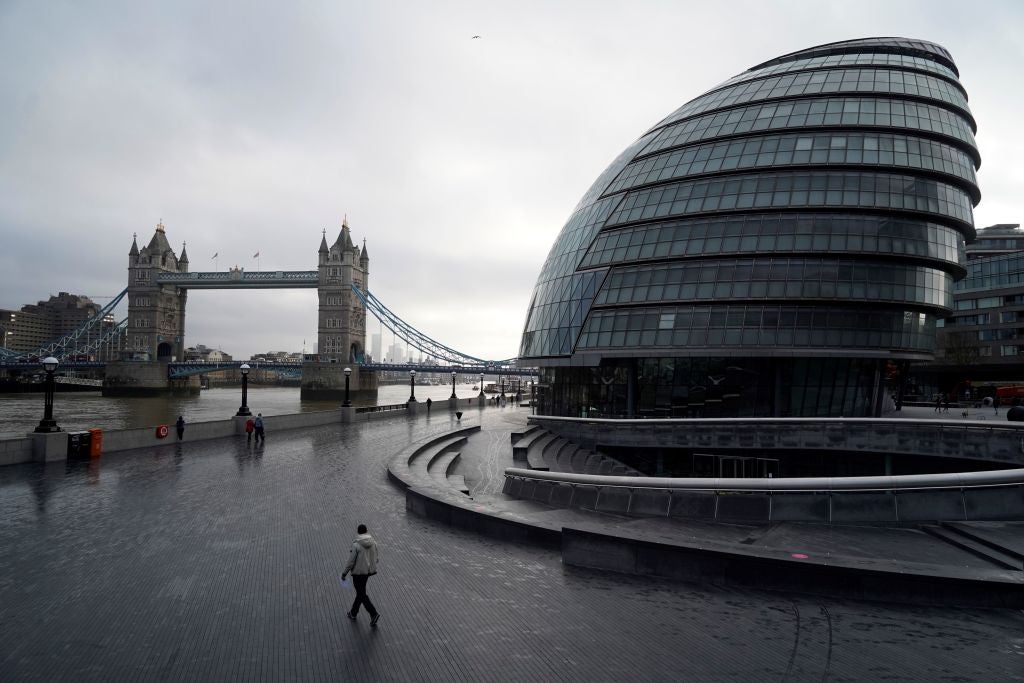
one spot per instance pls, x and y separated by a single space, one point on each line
221 561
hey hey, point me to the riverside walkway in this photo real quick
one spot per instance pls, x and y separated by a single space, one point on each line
221 561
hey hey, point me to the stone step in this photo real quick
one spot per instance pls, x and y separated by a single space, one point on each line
522 447
458 482
535 453
440 465
986 552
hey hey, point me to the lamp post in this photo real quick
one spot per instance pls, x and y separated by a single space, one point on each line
412 386
481 385
453 386
347 403
48 424
244 409
503 387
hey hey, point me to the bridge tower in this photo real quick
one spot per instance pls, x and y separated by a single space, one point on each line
156 322
156 312
341 328
341 332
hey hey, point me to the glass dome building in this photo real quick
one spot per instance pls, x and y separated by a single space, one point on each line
779 246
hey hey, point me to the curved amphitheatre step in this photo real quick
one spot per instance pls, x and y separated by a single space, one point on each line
412 466
521 448
519 434
535 452
558 461
442 463
602 539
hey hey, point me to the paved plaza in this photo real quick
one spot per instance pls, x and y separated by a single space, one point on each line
220 561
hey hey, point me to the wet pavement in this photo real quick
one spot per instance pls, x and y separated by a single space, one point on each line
219 561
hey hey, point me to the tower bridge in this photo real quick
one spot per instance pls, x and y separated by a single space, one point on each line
152 336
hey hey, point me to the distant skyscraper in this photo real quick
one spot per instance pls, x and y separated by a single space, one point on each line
375 346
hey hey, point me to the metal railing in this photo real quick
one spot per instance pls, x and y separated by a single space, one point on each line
382 409
997 494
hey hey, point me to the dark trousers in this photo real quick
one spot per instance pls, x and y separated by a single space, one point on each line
181 433
259 434
359 581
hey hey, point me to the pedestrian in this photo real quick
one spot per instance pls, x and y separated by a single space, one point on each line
250 427
938 402
995 404
180 427
428 404
362 564
258 425
945 403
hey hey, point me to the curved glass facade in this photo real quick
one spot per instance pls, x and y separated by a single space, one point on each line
797 229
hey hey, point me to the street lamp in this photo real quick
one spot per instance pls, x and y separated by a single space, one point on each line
503 387
244 410
453 385
48 424
347 403
481 385
412 386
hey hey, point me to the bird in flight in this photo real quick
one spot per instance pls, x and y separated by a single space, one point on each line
474 37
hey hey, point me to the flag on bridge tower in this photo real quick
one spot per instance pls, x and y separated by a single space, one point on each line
257 257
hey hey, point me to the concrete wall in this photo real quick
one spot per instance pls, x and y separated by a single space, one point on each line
998 442
17 451
14 451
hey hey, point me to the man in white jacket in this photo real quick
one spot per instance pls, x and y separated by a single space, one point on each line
362 564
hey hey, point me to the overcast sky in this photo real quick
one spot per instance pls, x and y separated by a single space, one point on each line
252 126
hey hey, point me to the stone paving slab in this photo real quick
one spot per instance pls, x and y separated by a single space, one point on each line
218 561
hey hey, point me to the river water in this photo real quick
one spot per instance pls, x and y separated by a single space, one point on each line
77 411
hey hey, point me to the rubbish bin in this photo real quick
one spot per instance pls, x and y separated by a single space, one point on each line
95 443
78 445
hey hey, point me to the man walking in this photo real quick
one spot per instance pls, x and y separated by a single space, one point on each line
180 427
362 564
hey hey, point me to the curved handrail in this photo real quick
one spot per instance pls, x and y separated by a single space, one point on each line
781 484
667 421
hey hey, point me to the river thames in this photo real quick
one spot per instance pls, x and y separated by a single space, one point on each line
77 411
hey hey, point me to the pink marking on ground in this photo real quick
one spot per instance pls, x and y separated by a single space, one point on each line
799 556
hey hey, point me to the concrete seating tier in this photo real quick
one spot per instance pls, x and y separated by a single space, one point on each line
517 435
521 447
544 451
675 534
427 464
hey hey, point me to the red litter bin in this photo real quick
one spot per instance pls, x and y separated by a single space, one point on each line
95 443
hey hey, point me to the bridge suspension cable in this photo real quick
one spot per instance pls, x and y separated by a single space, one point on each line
417 339
85 338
